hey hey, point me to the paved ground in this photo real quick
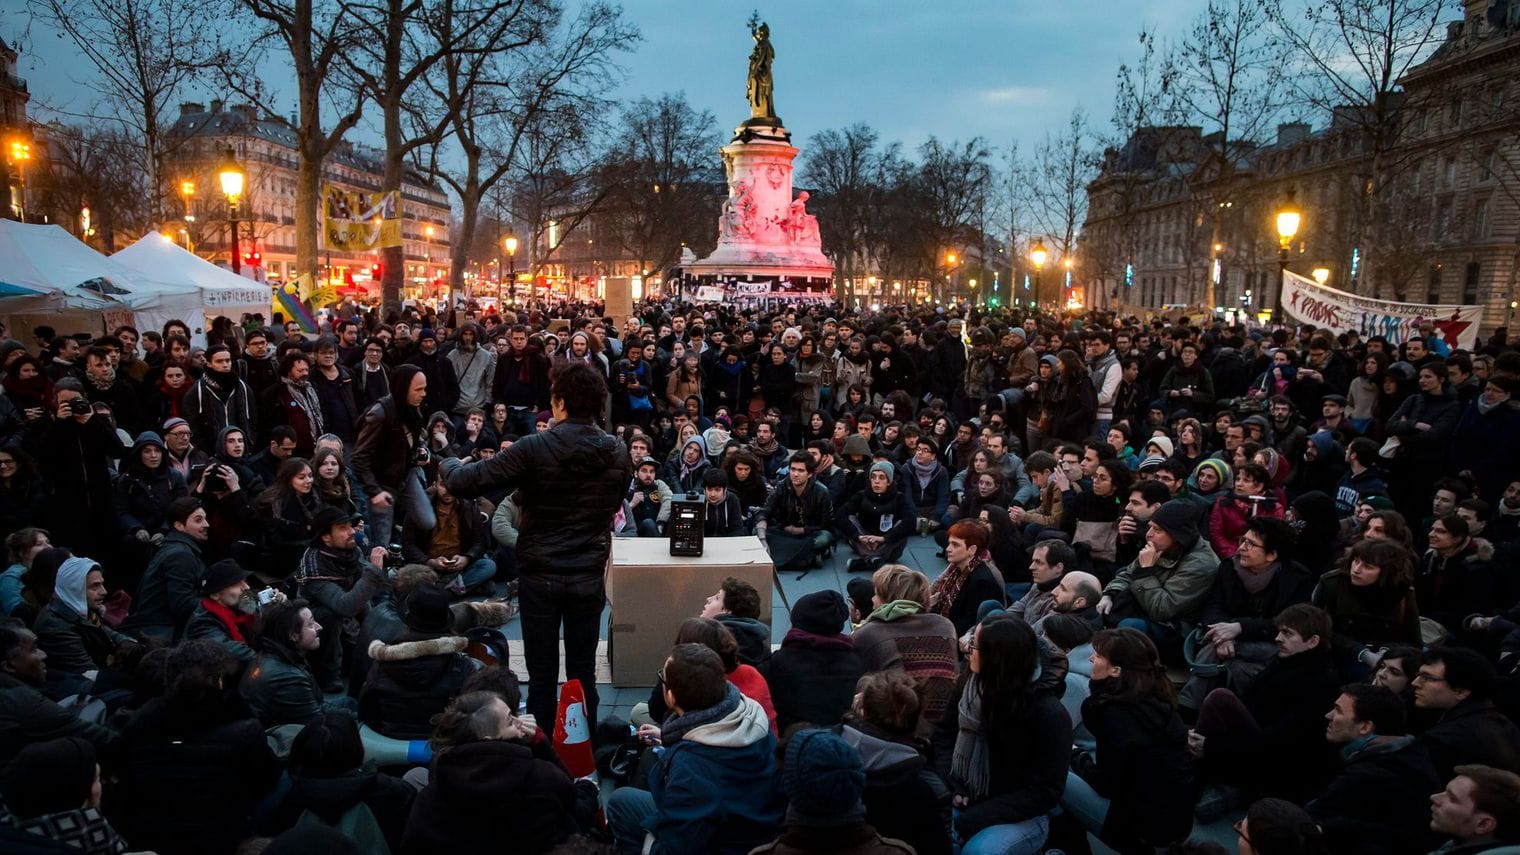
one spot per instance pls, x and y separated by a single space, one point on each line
920 555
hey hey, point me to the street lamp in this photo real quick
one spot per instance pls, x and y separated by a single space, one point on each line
1038 256
21 152
1289 218
1321 275
231 176
510 243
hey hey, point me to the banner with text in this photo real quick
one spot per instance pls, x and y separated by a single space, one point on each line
353 221
1313 303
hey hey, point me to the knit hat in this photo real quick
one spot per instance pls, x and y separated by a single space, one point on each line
543 417
1152 462
712 476
1221 468
1382 503
427 610
821 613
1019 331
884 466
172 423
221 576
823 779
427 332
49 777
1164 443
1178 518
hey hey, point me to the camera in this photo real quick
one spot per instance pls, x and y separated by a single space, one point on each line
423 456
266 596
79 406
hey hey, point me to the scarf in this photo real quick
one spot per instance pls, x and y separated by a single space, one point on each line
948 586
970 766
306 398
1484 407
731 370
235 622
924 473
221 383
677 726
767 449
895 610
1255 583
1507 511
175 397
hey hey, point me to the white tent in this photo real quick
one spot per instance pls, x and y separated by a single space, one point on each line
221 292
48 277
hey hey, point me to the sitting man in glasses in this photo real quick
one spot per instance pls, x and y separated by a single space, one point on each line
1235 627
1457 682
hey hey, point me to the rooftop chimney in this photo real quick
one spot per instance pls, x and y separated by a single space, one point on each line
191 108
216 105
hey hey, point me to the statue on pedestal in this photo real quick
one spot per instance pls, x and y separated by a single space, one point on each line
761 90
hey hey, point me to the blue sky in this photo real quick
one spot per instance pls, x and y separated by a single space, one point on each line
1004 71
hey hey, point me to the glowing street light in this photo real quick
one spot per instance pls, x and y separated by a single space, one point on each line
21 152
1321 275
1289 218
231 176
1038 256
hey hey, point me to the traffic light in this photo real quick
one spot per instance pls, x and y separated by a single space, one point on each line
374 271
253 258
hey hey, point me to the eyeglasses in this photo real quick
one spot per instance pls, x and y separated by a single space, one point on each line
1247 543
1423 677
7 462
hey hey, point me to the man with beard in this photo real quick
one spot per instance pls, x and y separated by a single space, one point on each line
294 402
475 368
257 366
339 581
217 400
443 384
520 380
228 610
102 386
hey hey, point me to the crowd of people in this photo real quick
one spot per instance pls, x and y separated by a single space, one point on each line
1191 572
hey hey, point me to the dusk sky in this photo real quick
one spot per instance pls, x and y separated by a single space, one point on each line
1005 71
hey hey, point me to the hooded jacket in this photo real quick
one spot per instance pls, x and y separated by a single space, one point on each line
890 515
73 639
725 519
1139 742
480 791
390 434
142 495
216 402
572 479
411 681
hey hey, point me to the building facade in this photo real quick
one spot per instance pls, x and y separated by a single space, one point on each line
1443 225
266 149
14 131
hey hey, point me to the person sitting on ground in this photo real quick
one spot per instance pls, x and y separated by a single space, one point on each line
876 522
722 516
27 715
70 630
1004 746
824 780
1048 562
1269 738
340 583
329 785
286 508
798 514
1273 826
52 800
1131 711
414 677
228 610
456 545
1376 804
750 682
713 788
970 580
1249 590
900 633
1479 810
736 605
193 764
485 779
812 676
1162 592
278 686
1458 683
1371 600
650 498
167 595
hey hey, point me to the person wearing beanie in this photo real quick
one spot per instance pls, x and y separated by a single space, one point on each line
180 452
1162 591
812 676
442 381
1211 479
722 517
877 522
415 677
824 781
52 793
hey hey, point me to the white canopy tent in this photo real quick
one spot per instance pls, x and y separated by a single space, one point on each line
221 292
54 279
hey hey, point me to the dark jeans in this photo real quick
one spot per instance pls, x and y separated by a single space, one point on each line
522 422
547 602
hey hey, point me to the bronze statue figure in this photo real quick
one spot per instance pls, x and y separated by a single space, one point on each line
761 91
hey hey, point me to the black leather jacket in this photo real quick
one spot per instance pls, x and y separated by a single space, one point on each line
572 479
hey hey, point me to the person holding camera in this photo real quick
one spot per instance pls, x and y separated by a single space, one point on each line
339 580
228 609
74 449
388 457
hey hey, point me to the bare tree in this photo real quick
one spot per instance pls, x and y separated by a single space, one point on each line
940 205
313 35
1063 167
1226 72
97 168
1347 59
143 52
848 172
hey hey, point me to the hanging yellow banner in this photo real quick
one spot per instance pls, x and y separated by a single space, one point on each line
353 221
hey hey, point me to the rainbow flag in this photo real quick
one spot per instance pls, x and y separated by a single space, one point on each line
293 301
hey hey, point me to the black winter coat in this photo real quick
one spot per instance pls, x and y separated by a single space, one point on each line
866 512
74 645
170 587
572 479
278 686
1379 804
27 716
812 678
480 789
1139 743
1229 601
411 681
190 777
1473 731
387 446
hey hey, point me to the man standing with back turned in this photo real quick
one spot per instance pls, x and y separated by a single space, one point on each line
571 479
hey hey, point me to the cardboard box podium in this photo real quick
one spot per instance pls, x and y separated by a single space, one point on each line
652 591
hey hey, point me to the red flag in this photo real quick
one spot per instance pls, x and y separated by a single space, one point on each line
572 732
